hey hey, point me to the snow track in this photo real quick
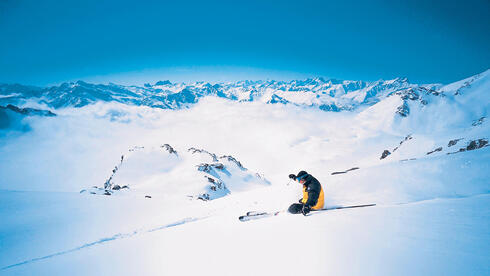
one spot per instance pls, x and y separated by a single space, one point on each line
105 240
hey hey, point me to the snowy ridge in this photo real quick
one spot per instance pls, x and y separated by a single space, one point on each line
162 171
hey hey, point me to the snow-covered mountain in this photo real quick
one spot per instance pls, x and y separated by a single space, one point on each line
162 171
329 95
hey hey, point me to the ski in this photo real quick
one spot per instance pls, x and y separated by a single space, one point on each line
253 215
257 215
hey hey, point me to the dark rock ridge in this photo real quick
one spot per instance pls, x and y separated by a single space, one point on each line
28 111
346 171
232 159
214 169
420 94
477 144
11 116
385 154
453 142
408 137
196 150
478 122
467 84
109 187
473 145
435 150
169 148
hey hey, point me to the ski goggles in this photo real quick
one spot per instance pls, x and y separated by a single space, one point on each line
301 177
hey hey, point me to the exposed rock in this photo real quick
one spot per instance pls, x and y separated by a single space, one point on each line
408 94
467 84
408 137
147 196
204 197
346 171
438 149
277 99
478 122
218 166
169 148
232 159
205 167
453 142
385 154
116 187
107 193
473 145
28 111
334 173
477 144
403 110
212 155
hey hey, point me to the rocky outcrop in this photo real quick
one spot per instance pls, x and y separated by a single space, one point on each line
419 94
477 144
385 154
11 116
408 137
196 150
28 111
109 186
233 160
205 167
435 150
403 110
473 145
453 142
216 172
346 171
478 122
169 148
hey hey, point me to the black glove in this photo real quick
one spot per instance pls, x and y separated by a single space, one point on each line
300 200
306 209
292 176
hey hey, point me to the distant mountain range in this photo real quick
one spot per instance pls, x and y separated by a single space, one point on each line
325 94
397 96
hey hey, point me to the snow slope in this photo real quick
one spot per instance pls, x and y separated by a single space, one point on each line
419 152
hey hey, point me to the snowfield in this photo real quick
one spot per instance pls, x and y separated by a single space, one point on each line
99 186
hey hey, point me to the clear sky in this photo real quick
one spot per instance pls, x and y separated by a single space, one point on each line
48 42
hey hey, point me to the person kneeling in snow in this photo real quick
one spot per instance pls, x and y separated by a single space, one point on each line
312 194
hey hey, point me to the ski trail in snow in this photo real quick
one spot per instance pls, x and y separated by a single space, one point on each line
104 240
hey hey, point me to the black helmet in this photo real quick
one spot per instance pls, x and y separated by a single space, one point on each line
301 174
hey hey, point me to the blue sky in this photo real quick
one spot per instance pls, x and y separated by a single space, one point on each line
48 42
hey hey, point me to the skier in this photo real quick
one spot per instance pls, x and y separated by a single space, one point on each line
312 194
